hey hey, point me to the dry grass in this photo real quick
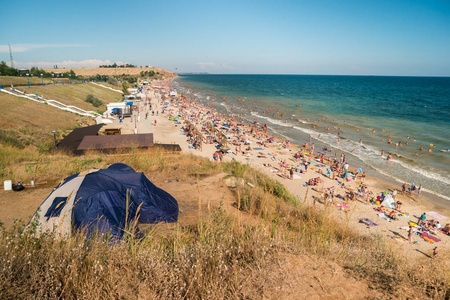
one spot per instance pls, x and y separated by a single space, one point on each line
28 124
75 94
212 262
214 259
6 81
310 230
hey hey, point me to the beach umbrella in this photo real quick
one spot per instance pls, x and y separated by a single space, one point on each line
359 170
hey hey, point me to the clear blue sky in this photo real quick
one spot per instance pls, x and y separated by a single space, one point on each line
380 37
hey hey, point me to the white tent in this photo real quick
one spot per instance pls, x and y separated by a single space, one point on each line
388 201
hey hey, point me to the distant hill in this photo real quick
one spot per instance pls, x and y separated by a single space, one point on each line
165 74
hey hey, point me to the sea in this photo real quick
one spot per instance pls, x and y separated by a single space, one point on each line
353 115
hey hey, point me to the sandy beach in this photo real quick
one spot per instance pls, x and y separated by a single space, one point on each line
267 153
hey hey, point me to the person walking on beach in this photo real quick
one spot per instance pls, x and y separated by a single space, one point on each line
435 252
422 218
419 190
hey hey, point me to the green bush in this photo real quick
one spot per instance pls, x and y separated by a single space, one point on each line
93 100
97 102
112 80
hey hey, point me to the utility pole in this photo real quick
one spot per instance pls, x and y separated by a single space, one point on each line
10 56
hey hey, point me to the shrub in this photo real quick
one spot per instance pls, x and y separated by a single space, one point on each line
125 87
97 102
93 100
112 80
89 98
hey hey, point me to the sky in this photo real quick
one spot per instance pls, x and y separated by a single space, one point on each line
361 37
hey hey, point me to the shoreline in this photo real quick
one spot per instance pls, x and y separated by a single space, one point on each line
349 211
433 198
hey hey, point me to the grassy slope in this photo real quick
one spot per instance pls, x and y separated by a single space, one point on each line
75 94
6 81
28 124
22 113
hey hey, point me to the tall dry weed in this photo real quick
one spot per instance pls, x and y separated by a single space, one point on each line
212 261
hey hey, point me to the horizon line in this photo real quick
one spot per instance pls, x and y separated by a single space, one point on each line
354 75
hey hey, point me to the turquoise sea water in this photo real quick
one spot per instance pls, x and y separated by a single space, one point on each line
370 109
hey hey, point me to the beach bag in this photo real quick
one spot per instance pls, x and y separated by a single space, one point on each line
18 187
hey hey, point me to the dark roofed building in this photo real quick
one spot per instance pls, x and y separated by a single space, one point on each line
73 140
113 142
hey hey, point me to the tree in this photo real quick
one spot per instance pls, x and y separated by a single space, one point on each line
6 70
125 87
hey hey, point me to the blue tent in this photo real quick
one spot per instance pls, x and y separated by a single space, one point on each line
96 200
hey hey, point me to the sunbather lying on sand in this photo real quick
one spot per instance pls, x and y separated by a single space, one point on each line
446 229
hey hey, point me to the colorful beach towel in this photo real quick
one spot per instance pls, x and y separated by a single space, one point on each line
428 237
367 222
436 215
